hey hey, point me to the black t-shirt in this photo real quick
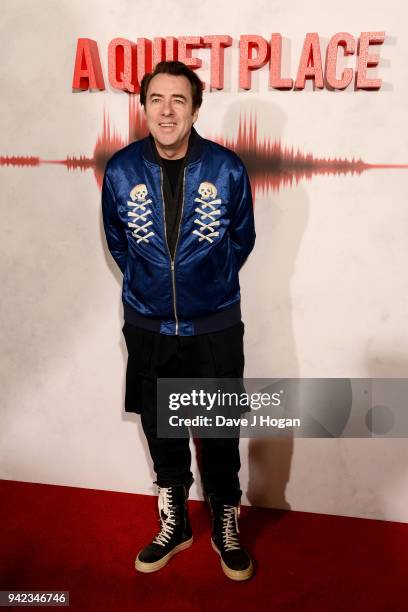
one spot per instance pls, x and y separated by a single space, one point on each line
173 167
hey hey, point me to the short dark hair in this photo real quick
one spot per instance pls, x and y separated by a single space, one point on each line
177 69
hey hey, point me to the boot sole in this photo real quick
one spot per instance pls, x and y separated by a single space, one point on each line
147 568
234 574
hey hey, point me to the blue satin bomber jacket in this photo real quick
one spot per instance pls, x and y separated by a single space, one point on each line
197 292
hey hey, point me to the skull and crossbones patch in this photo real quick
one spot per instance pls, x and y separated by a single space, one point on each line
208 212
139 213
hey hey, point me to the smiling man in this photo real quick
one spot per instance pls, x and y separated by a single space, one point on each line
169 114
178 218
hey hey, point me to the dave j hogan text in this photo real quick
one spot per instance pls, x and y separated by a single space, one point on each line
256 420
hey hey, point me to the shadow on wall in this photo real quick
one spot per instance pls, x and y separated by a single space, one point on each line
386 358
382 362
280 220
387 415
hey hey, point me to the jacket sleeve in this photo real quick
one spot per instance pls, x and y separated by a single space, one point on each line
242 227
114 230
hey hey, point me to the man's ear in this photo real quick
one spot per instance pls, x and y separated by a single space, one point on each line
195 115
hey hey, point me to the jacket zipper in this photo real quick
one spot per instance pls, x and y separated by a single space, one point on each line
172 260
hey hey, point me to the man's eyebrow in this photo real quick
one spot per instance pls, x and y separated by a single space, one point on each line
172 95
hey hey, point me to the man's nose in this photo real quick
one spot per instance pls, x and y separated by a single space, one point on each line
167 108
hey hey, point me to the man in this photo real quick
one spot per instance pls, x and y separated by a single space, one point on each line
178 217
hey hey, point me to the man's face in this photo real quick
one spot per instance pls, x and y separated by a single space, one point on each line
169 113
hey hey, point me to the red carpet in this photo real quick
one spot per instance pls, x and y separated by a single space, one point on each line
85 541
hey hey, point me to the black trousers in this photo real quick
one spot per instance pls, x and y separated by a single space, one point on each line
152 355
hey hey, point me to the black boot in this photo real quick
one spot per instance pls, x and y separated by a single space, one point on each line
235 561
175 533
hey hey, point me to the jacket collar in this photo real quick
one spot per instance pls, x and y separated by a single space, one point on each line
195 148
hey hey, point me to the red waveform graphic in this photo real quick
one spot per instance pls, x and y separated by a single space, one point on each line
270 165
18 160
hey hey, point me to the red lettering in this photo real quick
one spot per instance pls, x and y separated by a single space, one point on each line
164 49
275 66
217 43
345 40
185 44
144 58
87 69
128 62
122 64
310 65
368 61
247 44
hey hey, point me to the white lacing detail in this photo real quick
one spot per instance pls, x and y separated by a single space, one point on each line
230 527
167 522
210 215
140 217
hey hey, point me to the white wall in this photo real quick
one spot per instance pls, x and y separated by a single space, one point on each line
324 292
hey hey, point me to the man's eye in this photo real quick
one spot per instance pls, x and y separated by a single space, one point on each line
180 100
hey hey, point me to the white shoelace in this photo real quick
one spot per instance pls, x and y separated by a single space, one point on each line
230 520
167 523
